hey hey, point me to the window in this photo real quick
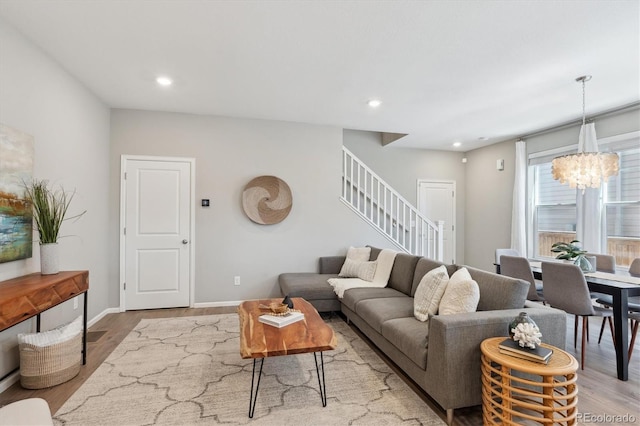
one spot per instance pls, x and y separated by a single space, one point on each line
553 206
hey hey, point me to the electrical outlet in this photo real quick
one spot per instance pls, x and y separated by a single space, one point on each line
75 303
236 280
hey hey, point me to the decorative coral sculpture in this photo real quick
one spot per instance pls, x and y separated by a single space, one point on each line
527 335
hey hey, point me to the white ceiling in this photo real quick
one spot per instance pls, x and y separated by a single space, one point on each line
445 70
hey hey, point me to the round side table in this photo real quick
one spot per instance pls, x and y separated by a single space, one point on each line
515 388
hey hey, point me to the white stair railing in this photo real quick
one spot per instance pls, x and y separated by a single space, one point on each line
387 211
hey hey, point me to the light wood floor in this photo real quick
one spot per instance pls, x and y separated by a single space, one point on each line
600 391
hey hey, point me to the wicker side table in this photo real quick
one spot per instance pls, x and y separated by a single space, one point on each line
514 388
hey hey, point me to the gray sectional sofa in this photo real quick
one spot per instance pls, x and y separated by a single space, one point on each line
442 355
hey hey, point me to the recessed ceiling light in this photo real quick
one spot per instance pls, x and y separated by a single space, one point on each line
457 144
374 103
164 81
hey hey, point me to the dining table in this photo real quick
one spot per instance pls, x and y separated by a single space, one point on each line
620 286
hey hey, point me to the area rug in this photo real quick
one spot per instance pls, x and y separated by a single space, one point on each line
188 371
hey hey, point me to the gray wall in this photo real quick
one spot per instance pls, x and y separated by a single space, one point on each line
70 127
229 153
488 203
403 167
490 193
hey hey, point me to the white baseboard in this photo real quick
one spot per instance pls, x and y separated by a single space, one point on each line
15 376
217 304
9 380
102 315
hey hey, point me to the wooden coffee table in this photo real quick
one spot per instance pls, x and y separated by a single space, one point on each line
258 340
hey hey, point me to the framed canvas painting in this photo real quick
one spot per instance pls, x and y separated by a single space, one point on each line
16 167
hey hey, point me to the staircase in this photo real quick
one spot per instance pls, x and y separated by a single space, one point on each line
387 211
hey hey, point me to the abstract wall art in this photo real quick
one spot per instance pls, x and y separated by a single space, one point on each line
16 167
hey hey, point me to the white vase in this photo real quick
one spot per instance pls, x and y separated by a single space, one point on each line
49 259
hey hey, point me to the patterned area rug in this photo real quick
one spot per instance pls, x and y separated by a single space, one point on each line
188 371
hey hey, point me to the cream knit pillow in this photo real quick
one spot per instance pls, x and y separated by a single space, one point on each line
429 292
459 297
355 255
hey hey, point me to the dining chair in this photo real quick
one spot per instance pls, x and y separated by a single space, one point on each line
519 267
635 320
566 288
634 268
604 262
505 252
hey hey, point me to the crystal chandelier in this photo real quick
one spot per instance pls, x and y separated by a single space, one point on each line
588 167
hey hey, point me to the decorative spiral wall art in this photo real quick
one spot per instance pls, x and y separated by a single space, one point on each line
267 200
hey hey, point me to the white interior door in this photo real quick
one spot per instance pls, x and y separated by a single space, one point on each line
437 201
157 232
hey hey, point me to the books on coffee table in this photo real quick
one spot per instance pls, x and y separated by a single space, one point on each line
513 348
281 320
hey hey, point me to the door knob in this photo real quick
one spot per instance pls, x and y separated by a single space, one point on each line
185 241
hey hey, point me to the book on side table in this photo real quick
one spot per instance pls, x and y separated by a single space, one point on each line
513 348
281 320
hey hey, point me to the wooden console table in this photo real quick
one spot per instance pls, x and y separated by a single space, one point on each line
24 297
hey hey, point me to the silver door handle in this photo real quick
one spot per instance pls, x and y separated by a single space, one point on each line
185 241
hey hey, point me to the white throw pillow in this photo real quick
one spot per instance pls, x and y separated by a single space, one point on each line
461 274
355 255
429 292
459 297
355 269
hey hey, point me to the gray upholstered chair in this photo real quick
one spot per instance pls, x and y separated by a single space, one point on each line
634 302
519 267
505 252
634 268
565 288
604 262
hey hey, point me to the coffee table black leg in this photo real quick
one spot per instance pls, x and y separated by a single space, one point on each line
321 383
252 398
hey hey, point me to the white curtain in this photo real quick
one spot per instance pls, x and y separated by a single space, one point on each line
588 206
519 209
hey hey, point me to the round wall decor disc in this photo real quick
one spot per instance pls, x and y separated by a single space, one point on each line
267 200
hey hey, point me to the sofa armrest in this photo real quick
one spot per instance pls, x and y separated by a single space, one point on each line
331 264
453 355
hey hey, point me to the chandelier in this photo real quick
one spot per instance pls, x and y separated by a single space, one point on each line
588 168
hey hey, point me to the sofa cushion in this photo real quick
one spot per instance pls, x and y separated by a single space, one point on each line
401 277
410 336
423 266
429 292
499 292
459 297
376 311
331 264
353 296
308 285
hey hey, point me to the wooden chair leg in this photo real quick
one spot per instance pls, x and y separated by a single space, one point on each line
575 331
613 335
585 327
604 319
634 332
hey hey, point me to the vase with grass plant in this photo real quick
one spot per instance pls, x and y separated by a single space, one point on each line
50 208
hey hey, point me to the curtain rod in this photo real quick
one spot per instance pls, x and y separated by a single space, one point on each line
614 111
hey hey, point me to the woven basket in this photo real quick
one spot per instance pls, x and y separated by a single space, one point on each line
43 367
